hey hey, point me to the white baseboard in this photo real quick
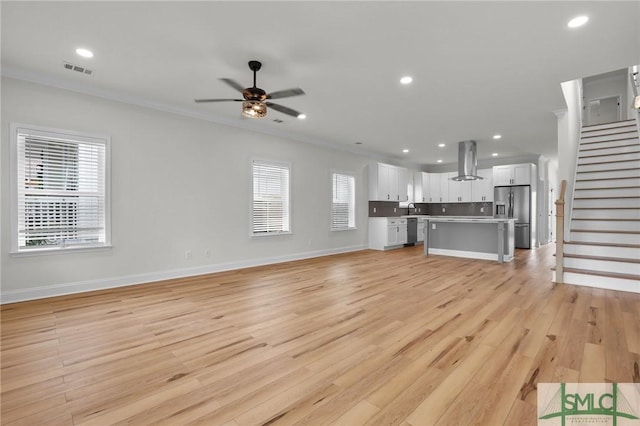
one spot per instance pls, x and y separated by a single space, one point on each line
42 292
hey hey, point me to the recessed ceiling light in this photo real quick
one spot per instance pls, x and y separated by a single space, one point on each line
302 116
85 53
406 80
441 145
439 161
405 150
495 154
497 136
578 21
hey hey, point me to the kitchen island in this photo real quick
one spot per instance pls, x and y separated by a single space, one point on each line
472 237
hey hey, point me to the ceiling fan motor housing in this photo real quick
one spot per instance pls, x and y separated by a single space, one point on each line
254 94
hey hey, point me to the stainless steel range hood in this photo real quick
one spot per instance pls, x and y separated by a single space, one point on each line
467 162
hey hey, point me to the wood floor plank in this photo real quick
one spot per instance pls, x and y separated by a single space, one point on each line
366 337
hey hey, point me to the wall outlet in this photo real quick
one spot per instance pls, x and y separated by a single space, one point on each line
394 209
188 254
374 209
433 226
481 209
444 210
207 253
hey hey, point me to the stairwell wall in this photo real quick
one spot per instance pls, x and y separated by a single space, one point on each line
569 125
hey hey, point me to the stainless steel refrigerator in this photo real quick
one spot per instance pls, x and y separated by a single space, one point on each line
515 202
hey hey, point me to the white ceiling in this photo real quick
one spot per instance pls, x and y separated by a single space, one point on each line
479 68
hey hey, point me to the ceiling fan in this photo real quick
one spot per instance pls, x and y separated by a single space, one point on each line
255 103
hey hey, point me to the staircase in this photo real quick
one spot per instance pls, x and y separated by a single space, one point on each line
603 248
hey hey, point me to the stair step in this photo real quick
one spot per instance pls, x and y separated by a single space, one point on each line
606 280
625 127
616 149
628 251
611 192
606 203
610 214
602 265
609 125
608 165
609 158
603 258
600 236
608 183
621 180
609 137
603 274
607 144
608 225
606 152
631 172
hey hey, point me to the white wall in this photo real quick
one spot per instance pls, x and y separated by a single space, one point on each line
569 125
608 85
178 184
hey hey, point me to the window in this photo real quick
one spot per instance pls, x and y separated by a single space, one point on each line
343 215
60 189
270 199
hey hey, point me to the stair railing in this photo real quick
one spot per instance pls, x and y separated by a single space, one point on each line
560 233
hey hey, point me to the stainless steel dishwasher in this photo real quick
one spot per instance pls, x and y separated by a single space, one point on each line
412 231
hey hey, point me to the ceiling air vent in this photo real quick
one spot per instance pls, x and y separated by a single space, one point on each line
277 120
77 68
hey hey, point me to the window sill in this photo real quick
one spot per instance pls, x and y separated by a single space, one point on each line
270 234
58 250
343 229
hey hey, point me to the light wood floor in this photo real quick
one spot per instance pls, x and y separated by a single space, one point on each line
362 338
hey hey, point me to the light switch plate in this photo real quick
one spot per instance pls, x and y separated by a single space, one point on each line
433 226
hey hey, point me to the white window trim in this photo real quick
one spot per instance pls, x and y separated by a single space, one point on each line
355 211
279 163
13 182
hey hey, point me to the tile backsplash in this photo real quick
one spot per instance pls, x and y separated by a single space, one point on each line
392 208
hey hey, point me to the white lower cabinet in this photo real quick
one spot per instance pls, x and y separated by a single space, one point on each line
387 232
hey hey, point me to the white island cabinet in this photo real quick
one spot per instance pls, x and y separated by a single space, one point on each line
473 237
387 232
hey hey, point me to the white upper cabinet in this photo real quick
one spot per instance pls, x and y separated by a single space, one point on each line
444 187
434 188
482 190
402 184
514 174
388 183
425 186
459 191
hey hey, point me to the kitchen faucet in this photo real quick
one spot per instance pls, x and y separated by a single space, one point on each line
409 207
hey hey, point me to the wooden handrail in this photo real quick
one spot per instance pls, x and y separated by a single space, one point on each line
560 233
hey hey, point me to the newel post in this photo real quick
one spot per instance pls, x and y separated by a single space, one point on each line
560 234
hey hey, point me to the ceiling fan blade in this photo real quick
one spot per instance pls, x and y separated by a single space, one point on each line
233 84
283 109
218 100
285 93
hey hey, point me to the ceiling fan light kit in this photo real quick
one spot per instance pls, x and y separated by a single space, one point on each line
254 109
254 104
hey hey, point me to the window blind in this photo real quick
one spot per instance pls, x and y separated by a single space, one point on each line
60 191
270 204
343 205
